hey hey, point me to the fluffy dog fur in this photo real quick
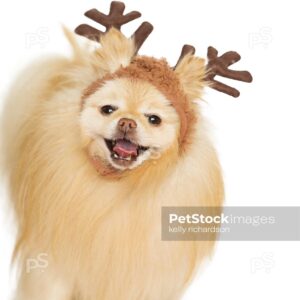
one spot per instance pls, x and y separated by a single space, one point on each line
101 234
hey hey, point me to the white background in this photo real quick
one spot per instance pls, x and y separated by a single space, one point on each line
257 136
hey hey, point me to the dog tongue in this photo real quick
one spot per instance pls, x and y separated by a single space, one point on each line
125 148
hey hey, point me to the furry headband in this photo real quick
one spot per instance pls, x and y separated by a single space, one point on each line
158 72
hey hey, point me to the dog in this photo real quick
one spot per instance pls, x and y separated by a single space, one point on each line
94 146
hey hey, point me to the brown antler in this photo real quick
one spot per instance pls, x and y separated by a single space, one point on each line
116 19
218 65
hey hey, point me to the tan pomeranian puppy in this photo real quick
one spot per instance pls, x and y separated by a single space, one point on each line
95 146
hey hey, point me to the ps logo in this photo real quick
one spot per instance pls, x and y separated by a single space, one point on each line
40 262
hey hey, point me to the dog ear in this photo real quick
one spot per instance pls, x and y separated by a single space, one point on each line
116 51
191 72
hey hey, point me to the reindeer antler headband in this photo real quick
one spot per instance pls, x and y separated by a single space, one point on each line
157 71
217 65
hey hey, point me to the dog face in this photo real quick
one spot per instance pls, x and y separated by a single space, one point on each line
129 121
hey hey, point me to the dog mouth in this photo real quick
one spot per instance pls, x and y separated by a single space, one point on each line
124 151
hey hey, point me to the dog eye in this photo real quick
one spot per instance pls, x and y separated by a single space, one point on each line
107 109
154 120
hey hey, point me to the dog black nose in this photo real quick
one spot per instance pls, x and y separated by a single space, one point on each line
126 125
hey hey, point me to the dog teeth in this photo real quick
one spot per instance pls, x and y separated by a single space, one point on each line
116 156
